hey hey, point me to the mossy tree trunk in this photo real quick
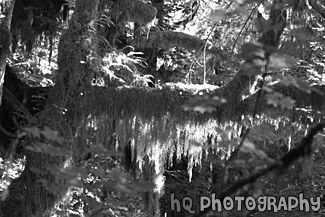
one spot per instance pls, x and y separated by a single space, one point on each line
6 9
159 4
64 113
153 52
151 198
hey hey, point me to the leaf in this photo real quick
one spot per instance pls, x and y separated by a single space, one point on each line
68 173
76 183
242 2
249 70
319 141
147 186
316 90
47 149
217 15
98 149
261 24
92 202
51 134
98 172
286 79
259 62
122 188
261 154
4 194
34 131
239 10
278 62
278 99
297 82
304 33
118 175
249 147
303 85
252 51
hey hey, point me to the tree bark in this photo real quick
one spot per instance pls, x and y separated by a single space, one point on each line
6 9
150 198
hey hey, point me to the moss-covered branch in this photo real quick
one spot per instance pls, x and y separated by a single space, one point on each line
167 40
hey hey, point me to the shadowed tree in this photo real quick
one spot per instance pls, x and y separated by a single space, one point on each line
77 56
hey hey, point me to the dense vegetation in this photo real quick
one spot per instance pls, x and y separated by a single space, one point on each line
114 107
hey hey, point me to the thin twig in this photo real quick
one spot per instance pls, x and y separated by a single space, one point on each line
240 32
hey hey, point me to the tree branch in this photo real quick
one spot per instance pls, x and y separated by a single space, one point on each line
303 149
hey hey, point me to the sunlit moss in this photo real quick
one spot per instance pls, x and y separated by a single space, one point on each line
154 123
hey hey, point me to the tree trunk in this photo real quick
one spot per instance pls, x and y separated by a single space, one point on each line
77 59
151 53
6 9
159 4
232 91
150 198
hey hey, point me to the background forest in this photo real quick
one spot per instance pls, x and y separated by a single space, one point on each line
108 107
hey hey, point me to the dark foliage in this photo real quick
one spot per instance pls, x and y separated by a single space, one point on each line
19 102
32 18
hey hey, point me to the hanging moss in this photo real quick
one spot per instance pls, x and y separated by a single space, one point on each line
153 122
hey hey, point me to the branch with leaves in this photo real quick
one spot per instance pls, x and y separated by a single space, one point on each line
168 39
303 149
